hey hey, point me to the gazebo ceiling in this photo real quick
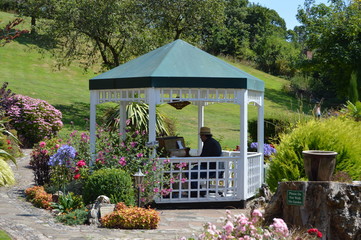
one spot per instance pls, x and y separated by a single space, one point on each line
176 65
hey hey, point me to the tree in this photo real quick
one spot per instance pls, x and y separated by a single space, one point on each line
333 33
233 38
9 33
186 19
86 30
35 9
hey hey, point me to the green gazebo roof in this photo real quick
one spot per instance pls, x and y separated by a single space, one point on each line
176 65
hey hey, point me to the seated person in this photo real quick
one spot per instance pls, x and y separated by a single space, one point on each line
211 148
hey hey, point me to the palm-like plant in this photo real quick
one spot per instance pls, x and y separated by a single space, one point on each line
137 113
353 110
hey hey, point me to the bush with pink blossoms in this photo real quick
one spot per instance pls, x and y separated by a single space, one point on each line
34 119
245 228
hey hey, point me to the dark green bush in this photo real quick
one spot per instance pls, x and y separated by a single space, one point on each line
333 134
114 183
272 128
77 217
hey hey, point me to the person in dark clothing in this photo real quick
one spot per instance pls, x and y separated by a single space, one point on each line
211 148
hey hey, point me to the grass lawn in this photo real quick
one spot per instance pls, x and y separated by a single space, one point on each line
31 70
4 235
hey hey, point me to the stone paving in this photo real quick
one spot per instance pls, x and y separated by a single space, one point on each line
22 221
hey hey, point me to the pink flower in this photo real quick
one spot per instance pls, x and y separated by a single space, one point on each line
76 176
139 155
122 161
166 161
42 144
81 163
228 227
183 180
256 213
57 146
156 190
133 144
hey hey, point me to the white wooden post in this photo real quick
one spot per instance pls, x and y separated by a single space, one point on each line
93 103
122 118
200 124
260 134
151 94
242 180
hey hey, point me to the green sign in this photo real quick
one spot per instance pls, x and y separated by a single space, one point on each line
295 197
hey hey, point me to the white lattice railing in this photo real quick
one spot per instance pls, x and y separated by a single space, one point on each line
216 180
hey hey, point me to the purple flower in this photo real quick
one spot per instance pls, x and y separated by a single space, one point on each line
63 156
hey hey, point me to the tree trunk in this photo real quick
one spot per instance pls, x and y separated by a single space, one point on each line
331 207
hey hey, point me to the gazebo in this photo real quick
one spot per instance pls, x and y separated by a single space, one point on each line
179 71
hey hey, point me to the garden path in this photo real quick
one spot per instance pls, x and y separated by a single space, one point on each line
22 221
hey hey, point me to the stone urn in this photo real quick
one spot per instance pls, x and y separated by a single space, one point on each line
319 165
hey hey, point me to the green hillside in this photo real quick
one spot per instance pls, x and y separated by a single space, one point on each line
35 74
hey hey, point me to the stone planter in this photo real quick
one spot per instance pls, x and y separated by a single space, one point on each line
319 165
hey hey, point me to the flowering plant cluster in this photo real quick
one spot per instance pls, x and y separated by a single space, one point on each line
314 233
33 119
245 228
268 149
131 218
66 167
39 197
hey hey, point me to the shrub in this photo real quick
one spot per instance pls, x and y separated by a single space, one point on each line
38 197
39 163
243 227
6 99
332 134
34 119
68 202
131 218
272 128
76 217
6 174
114 183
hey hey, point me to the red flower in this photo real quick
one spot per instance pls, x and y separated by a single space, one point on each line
315 232
81 163
77 176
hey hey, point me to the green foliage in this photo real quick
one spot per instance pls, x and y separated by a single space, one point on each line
332 33
353 110
272 128
114 183
333 134
137 113
76 217
6 174
68 202
131 218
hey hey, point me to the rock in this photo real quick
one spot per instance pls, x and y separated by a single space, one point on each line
331 207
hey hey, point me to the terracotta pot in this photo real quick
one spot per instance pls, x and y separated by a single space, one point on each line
319 165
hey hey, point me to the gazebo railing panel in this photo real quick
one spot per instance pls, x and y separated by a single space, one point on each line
218 183
181 94
254 173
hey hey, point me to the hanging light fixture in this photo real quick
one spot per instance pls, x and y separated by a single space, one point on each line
177 104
